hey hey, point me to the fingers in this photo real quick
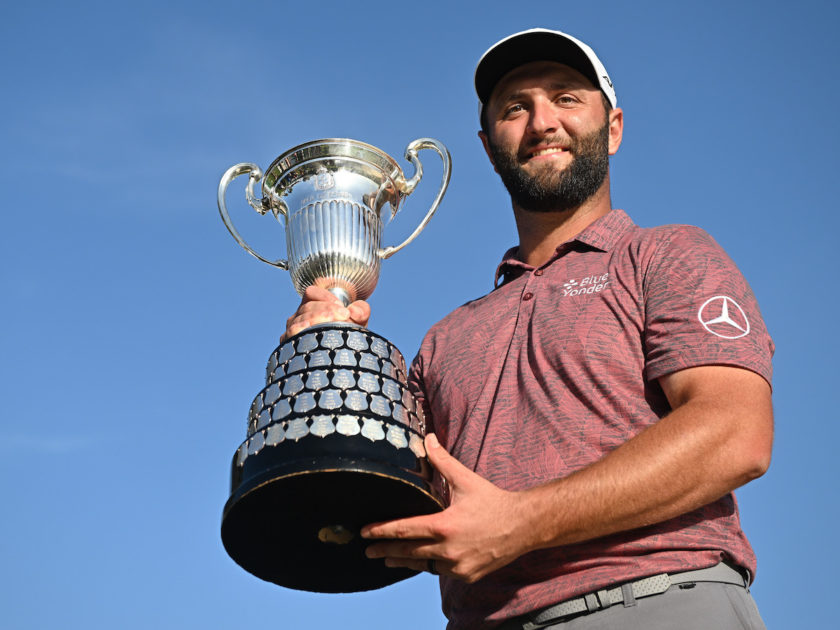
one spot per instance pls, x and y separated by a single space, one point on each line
359 312
409 543
410 555
438 568
319 306
410 528
406 550
449 467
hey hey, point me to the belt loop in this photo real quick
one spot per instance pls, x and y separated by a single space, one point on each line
591 602
628 595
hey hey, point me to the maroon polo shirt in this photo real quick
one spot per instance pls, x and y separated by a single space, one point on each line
558 366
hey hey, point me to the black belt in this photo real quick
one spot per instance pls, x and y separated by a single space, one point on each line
625 593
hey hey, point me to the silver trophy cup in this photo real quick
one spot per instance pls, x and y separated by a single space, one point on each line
335 438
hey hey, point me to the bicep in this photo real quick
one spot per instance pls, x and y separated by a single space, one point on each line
731 401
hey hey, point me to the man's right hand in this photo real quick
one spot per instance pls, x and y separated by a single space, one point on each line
319 306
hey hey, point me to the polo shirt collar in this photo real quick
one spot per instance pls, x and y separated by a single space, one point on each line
604 233
601 234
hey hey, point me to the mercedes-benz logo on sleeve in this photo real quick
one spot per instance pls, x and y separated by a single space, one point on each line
723 317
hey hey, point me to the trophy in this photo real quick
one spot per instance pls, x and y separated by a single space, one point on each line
335 438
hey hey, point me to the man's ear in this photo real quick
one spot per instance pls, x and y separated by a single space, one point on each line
486 143
616 119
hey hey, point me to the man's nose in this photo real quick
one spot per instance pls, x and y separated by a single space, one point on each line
542 119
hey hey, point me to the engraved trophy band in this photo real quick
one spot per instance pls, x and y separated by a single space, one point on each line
335 437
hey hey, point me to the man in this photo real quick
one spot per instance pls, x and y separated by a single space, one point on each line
596 410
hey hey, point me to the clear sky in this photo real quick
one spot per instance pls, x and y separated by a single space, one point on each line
135 331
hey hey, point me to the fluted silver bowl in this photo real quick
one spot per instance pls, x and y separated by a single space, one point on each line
330 196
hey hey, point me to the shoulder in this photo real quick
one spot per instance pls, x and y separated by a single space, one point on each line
673 248
664 237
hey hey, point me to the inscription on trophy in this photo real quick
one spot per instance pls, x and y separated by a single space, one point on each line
321 196
324 180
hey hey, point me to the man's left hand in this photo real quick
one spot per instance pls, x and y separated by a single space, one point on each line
478 533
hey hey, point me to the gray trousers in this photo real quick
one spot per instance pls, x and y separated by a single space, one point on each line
698 606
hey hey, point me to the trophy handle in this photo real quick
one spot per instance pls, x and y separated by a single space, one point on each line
409 185
257 204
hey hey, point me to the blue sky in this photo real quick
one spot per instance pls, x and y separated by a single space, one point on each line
135 330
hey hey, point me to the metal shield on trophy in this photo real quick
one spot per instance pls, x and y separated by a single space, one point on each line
335 437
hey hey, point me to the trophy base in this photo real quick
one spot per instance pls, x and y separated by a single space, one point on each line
298 525
335 442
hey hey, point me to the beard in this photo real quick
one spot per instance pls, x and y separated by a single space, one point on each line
552 190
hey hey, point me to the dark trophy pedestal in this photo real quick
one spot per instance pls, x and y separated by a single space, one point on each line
335 442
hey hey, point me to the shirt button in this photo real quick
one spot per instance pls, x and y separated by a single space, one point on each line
527 296
538 272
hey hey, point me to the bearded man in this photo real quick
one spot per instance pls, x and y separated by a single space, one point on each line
593 413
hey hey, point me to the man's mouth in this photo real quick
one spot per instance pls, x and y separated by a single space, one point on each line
542 152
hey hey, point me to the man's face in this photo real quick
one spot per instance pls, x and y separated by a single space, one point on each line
550 136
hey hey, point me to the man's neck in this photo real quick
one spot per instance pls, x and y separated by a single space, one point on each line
540 233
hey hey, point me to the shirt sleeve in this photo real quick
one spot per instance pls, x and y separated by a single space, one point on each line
699 309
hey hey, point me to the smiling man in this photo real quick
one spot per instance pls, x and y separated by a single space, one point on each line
594 412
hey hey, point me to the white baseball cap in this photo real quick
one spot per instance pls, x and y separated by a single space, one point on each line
538 44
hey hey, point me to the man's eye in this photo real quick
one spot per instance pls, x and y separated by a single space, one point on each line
565 99
513 109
